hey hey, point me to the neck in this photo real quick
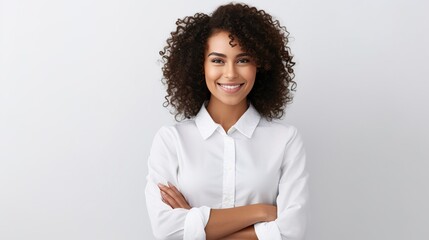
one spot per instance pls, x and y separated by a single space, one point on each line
226 115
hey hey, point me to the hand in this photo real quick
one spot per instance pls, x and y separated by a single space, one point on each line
172 197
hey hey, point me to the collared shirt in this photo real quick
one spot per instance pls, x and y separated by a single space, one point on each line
256 161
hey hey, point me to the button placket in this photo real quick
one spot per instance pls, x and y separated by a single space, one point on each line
228 199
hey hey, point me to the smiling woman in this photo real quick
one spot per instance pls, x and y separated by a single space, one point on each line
230 171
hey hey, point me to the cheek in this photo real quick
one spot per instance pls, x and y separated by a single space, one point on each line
249 74
212 73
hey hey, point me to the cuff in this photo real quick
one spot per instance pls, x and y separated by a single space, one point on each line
267 231
195 223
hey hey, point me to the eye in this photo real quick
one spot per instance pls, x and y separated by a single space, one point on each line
216 60
243 60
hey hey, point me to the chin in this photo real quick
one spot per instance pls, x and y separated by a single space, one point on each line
232 102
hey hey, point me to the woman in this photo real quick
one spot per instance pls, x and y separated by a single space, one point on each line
229 171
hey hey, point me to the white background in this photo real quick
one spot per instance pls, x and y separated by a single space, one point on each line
81 99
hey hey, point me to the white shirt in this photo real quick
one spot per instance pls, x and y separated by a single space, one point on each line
256 161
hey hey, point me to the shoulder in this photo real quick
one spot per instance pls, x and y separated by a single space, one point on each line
277 127
173 131
278 131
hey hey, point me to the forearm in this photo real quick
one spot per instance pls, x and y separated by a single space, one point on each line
229 223
247 233
224 222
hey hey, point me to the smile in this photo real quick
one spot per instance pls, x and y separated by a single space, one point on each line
230 88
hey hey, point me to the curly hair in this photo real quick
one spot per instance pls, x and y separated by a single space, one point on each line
257 33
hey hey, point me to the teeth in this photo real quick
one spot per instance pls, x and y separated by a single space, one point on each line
230 86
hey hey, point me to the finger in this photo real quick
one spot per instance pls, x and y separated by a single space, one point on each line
162 199
178 196
173 192
170 200
181 199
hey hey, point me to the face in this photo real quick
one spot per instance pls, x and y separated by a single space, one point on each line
229 71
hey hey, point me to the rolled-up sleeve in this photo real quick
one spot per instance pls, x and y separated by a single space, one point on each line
168 223
292 197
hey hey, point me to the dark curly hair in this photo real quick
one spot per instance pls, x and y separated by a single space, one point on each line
257 33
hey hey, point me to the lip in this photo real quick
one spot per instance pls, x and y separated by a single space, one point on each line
230 87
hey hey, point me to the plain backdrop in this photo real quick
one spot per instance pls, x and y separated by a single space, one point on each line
81 99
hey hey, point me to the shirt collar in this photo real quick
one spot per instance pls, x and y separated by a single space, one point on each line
246 124
205 123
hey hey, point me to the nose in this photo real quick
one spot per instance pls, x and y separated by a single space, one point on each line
230 71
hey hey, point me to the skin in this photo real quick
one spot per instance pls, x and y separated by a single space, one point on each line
225 66
230 75
229 223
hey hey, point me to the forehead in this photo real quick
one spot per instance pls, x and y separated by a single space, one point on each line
221 41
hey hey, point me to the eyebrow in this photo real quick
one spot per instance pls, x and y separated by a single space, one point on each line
224 56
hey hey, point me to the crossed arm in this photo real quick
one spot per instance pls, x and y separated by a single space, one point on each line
230 223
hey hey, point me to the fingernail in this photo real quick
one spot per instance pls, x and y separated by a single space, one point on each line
169 184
